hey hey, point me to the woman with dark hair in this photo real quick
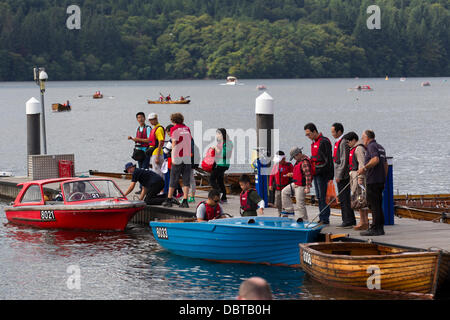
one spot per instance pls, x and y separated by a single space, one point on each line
222 162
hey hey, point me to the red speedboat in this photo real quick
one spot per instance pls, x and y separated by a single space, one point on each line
73 203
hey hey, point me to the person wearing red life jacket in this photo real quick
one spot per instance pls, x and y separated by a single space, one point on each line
341 153
357 182
321 168
142 140
181 138
251 202
301 185
278 178
156 144
210 209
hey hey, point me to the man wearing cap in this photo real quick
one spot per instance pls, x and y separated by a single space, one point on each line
301 185
156 143
152 184
278 178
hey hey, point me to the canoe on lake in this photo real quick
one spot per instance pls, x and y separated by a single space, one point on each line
169 102
352 265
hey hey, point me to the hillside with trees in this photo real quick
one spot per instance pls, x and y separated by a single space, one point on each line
198 39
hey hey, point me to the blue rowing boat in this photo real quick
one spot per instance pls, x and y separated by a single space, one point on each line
268 240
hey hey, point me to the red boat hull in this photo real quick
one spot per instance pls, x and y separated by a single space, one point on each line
92 219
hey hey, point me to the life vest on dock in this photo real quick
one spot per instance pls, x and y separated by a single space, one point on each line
352 161
246 203
298 176
142 135
211 212
315 158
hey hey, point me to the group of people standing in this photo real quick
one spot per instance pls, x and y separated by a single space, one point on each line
359 168
159 159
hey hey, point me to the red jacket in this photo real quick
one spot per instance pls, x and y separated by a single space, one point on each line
277 179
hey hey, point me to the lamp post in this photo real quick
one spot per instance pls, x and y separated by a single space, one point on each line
40 76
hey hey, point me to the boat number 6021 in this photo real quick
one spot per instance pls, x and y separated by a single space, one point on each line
162 233
307 258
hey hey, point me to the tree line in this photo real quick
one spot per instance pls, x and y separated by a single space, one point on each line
198 39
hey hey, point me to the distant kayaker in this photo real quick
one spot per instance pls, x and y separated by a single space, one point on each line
210 209
161 98
251 202
168 98
181 98
152 184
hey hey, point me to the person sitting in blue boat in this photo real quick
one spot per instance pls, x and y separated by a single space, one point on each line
251 202
210 209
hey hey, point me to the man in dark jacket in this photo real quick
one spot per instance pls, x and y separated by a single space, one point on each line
375 169
341 153
152 183
322 168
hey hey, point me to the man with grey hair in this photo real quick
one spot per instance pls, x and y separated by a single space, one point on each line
301 185
375 170
255 288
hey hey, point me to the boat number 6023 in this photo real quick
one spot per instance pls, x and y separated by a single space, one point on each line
162 233
307 258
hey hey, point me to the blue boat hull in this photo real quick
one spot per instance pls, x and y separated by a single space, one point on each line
268 240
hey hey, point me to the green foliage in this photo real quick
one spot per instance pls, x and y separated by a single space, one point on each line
197 39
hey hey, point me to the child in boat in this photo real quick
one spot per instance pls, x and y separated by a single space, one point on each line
210 209
251 202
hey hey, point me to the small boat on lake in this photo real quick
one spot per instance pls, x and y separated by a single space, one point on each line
72 203
98 95
425 84
231 81
267 240
58 107
261 87
365 87
375 267
168 102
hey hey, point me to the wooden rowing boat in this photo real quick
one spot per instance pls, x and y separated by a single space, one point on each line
169 102
58 107
374 267
97 96
422 214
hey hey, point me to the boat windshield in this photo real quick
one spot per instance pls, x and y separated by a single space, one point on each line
87 190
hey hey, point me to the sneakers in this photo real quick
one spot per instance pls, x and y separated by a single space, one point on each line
372 232
169 202
191 199
346 225
184 204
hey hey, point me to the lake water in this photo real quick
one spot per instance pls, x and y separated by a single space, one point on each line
38 264
410 121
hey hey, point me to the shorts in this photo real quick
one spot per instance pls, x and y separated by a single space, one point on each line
183 170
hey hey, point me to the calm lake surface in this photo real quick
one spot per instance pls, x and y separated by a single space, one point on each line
37 264
410 121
